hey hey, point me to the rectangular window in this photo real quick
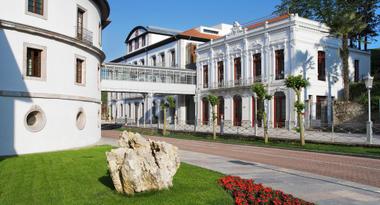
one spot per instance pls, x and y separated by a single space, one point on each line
143 40
36 6
80 24
205 76
130 47
136 43
79 71
190 53
33 65
172 57
220 73
237 70
154 61
162 55
280 70
357 71
321 65
256 70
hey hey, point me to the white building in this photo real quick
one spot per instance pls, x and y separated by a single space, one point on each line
268 52
161 49
49 74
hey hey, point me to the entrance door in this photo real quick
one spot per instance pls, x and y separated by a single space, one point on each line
279 109
237 110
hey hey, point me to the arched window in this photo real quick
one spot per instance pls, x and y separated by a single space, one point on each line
237 107
279 109
205 111
220 109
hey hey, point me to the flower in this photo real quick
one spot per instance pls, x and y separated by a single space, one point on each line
246 192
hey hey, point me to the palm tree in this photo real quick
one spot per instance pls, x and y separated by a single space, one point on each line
214 101
344 24
297 83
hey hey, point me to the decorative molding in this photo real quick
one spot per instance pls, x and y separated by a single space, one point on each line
52 35
20 94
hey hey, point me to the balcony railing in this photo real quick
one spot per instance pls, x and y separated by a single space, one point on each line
233 83
148 74
84 35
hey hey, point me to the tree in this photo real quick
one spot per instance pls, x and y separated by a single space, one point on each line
214 101
168 103
262 95
297 83
347 19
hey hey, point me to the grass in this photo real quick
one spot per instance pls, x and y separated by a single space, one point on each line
364 151
80 177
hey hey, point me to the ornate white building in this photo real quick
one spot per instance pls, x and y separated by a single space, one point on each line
166 51
50 74
268 52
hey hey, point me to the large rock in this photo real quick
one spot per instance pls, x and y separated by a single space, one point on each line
142 165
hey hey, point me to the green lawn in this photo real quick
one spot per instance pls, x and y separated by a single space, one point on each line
80 177
284 144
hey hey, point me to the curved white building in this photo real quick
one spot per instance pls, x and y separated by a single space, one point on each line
50 74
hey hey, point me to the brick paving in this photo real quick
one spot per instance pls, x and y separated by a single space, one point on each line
356 169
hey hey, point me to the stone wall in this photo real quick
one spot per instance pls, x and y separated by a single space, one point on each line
349 112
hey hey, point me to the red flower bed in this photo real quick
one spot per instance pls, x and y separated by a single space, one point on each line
246 192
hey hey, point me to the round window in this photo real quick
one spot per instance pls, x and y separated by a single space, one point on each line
81 120
35 119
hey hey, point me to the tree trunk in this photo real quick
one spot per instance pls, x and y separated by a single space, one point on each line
266 140
300 120
214 121
164 129
345 70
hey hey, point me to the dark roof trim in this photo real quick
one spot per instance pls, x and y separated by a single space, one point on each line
159 44
105 10
154 30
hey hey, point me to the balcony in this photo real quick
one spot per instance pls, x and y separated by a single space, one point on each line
232 83
84 35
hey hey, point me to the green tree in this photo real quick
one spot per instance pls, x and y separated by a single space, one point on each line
297 83
165 104
347 20
214 101
262 95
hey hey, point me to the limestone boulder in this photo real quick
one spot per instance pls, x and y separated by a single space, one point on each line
141 164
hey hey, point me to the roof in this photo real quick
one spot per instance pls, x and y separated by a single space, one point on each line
195 33
105 10
272 20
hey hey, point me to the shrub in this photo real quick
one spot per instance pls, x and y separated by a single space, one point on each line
246 192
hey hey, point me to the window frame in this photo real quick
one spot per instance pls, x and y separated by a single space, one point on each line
256 65
83 70
44 14
42 62
356 70
279 64
205 76
321 66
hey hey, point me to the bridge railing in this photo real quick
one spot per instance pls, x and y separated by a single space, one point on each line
148 74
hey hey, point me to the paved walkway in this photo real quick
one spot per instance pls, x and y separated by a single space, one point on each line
247 162
311 187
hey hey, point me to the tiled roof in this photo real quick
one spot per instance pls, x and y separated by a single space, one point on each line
273 20
160 30
195 33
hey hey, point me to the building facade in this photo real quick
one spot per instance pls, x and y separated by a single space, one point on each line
268 52
50 74
164 50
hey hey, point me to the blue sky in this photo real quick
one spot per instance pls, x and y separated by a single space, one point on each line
178 14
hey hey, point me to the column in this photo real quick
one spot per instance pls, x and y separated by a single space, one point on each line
181 109
149 107
133 112
245 63
228 110
227 66
246 110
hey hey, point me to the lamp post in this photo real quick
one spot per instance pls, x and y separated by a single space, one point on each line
368 84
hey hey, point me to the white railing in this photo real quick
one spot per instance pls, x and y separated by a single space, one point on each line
233 83
126 72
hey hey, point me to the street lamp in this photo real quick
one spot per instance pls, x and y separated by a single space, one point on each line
368 84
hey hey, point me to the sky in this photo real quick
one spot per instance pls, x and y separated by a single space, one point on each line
180 15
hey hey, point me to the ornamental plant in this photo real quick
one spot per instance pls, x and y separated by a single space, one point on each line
247 192
262 95
297 83
214 101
